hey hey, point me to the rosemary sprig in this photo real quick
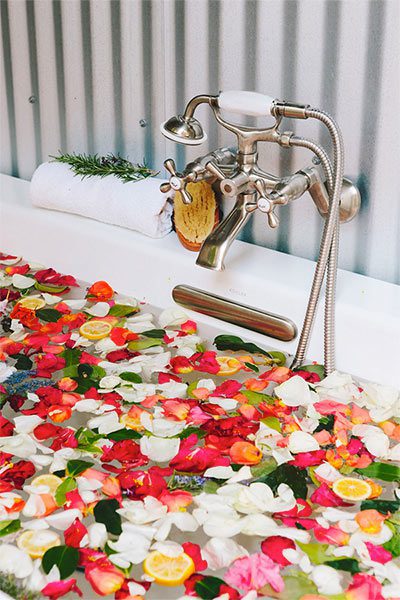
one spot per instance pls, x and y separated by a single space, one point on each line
11 586
89 165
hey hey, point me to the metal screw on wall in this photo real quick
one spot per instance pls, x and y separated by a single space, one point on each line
32 99
143 123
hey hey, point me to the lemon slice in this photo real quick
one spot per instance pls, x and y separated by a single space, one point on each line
49 480
349 488
36 543
95 330
167 570
228 365
32 302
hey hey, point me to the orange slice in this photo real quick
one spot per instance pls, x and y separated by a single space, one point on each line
32 302
350 488
228 365
36 543
167 570
95 330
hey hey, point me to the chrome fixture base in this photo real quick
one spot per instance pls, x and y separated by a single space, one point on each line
254 319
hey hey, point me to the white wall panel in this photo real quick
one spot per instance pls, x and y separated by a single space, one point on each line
106 73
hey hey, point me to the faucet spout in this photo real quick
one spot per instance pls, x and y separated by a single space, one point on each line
216 245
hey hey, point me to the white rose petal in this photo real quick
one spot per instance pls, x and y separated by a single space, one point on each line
294 392
172 317
100 309
168 548
5 371
159 449
26 423
110 381
15 561
21 282
327 580
106 423
98 536
221 552
62 520
300 441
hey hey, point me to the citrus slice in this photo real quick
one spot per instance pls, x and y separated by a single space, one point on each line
32 302
49 480
49 288
36 543
95 330
167 570
228 365
350 488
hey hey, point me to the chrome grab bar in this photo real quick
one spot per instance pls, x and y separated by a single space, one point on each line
274 326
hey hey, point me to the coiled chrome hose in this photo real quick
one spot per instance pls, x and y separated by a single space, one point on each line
329 244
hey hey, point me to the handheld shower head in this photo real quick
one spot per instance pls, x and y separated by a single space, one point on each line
184 130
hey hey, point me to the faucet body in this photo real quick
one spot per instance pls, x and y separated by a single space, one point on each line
239 176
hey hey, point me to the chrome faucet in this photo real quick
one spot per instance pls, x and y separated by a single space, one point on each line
239 176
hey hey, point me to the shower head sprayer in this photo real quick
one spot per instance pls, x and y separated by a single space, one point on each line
184 130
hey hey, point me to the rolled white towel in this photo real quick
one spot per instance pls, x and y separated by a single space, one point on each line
137 205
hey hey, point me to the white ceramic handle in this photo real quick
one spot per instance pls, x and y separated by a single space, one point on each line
246 103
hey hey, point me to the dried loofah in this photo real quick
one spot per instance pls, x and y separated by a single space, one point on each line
195 221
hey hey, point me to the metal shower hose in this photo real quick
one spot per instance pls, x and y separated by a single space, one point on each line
328 254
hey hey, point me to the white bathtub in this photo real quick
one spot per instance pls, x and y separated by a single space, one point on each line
368 310
368 320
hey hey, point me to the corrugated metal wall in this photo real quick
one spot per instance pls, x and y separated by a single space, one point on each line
100 75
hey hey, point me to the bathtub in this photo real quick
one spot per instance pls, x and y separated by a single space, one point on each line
367 314
368 320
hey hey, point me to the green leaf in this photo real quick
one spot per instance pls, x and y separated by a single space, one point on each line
66 486
84 384
9 526
296 586
272 422
382 471
382 506
64 557
23 363
211 487
85 370
345 564
263 468
50 315
315 552
132 377
326 423
71 356
191 388
294 477
393 545
154 333
76 467
279 358
123 310
137 345
208 587
105 512
318 369
123 434
192 429
252 367
235 343
256 398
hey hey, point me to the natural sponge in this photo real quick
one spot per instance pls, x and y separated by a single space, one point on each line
195 221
